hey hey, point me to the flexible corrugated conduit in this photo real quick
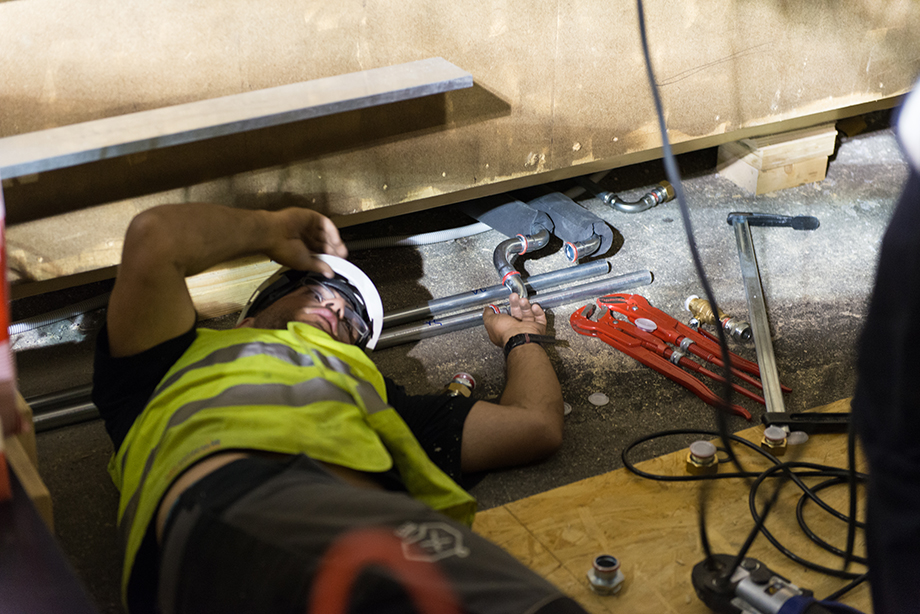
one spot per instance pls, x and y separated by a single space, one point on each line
427 238
451 234
65 313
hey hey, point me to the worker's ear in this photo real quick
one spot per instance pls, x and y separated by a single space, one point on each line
245 323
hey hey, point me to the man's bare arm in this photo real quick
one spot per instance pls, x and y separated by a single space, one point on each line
526 424
150 302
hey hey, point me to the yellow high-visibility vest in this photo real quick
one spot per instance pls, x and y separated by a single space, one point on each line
294 391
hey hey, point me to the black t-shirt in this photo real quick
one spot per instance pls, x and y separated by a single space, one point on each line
123 386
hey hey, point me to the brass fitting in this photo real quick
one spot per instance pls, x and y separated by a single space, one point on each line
774 440
702 311
668 190
702 459
461 384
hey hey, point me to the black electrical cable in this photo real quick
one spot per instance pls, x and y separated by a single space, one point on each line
847 588
800 517
851 466
780 470
673 175
827 471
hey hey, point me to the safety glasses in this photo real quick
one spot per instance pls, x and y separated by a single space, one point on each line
356 327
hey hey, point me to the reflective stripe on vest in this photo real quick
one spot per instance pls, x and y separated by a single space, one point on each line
234 352
298 395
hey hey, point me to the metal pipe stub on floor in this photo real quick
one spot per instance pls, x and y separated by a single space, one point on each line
753 289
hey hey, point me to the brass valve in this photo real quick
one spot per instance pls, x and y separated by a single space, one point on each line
774 440
702 311
702 459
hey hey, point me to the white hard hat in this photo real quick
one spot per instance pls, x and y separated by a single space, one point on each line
349 281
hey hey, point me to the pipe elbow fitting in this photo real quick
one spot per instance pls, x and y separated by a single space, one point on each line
661 193
619 204
575 250
515 284
505 253
538 240
509 249
504 256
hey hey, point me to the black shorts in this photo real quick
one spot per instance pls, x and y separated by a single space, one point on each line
251 536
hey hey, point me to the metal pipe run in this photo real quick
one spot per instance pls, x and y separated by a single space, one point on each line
484 296
73 406
65 416
432 328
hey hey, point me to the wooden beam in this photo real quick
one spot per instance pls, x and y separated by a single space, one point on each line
22 454
30 479
113 137
83 247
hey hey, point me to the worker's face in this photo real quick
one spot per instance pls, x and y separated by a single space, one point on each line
315 305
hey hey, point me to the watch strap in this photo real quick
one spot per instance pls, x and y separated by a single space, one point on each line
522 338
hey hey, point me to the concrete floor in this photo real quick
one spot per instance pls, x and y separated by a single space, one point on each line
816 286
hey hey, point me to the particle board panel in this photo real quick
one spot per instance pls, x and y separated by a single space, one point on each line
652 528
559 91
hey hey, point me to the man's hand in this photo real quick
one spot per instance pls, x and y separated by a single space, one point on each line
301 233
525 425
525 318
150 302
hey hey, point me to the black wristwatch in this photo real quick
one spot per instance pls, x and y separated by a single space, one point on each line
522 338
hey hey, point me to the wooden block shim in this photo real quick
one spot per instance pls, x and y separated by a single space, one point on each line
27 439
23 460
30 479
652 528
770 163
226 289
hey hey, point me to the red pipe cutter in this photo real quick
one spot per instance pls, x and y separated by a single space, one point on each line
644 337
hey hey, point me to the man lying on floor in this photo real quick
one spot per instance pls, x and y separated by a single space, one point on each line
242 455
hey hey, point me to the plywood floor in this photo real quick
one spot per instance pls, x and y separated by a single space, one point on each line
652 528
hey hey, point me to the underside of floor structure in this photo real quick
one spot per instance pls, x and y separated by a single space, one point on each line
816 285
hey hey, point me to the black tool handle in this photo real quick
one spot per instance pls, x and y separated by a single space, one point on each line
809 422
798 222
